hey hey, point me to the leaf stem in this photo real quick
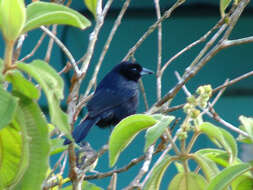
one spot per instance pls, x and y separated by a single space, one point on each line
8 55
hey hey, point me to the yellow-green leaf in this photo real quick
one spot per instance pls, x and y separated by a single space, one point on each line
92 6
12 18
125 132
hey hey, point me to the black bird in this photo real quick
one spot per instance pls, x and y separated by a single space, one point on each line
115 98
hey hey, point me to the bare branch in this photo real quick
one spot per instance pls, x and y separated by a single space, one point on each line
229 43
35 48
64 49
50 44
231 82
159 55
148 157
152 28
143 94
107 45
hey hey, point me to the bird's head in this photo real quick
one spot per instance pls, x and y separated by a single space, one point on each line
132 71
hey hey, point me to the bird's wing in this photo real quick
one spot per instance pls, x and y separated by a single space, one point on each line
106 99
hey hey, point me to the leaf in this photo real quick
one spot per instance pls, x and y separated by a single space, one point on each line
22 85
12 18
189 181
13 155
52 85
92 6
226 176
218 156
221 138
31 117
43 13
153 133
155 178
208 167
247 126
223 5
57 146
8 107
85 185
243 182
125 131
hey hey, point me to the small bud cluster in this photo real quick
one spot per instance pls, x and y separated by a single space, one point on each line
204 93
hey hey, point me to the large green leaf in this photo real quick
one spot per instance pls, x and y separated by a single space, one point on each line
13 155
153 133
8 107
52 85
155 179
12 18
208 166
226 176
22 85
247 126
43 13
124 133
243 182
92 6
31 117
221 137
187 181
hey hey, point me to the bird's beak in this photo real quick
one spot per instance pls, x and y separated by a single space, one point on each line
146 71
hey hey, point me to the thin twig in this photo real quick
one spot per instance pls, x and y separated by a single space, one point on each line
19 47
152 28
148 157
106 46
50 44
231 82
193 44
35 48
159 160
64 49
159 55
143 94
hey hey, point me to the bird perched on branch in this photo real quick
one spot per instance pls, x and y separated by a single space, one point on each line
115 98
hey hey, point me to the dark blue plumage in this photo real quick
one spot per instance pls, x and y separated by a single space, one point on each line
115 98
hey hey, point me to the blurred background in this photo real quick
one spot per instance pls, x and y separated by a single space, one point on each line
187 24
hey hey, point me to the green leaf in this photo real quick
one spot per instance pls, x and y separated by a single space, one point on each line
12 18
22 85
52 85
243 182
226 176
13 155
218 156
125 131
189 181
153 133
57 146
155 179
8 107
92 6
247 126
31 117
43 13
223 5
221 138
208 167
85 186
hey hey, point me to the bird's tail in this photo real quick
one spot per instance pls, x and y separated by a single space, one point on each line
81 131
